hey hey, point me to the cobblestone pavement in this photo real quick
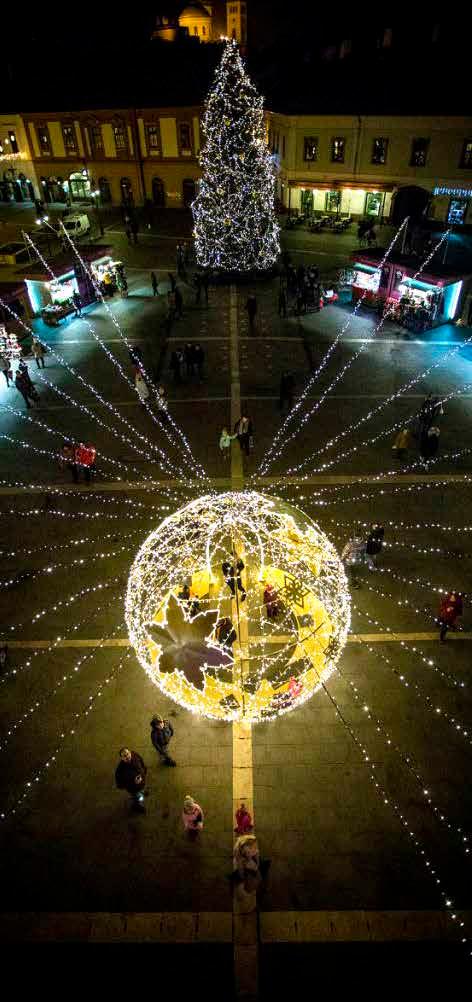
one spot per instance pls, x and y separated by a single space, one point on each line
341 854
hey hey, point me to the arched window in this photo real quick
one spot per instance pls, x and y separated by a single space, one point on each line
105 192
188 191
158 192
126 191
79 186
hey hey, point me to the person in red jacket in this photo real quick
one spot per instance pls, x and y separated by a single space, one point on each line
449 610
85 456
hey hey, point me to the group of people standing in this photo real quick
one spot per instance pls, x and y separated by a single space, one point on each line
187 363
243 431
424 430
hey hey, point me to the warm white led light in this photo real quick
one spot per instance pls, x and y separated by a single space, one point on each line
275 663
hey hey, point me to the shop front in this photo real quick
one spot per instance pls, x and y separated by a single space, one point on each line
453 205
110 276
392 288
338 200
51 298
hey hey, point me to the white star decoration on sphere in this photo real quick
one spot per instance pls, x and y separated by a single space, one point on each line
238 606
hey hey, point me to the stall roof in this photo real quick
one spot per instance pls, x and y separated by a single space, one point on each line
63 263
442 273
11 290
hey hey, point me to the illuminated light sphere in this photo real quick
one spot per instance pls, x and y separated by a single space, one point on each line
257 653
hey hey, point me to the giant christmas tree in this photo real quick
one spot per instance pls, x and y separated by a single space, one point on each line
235 224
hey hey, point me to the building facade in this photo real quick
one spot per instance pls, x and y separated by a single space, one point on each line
127 155
374 166
353 166
17 174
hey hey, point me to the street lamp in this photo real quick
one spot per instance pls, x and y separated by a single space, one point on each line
42 221
96 203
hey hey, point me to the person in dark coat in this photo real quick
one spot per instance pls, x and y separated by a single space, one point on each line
199 358
77 303
287 386
25 386
282 302
161 733
251 308
451 607
375 540
172 281
176 360
179 303
130 775
225 634
429 443
230 574
430 409
155 284
243 430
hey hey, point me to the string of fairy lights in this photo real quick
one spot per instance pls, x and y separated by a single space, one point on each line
163 426
27 788
341 372
163 461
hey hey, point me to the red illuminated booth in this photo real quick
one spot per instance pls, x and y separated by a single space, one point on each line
421 303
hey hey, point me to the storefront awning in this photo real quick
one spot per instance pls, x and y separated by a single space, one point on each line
341 185
64 263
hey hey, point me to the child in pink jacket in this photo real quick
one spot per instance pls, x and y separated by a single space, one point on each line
192 816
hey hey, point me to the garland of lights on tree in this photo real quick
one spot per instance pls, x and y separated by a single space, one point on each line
289 614
234 212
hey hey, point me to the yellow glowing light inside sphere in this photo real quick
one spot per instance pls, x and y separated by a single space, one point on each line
290 611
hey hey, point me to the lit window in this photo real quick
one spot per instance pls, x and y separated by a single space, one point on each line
13 142
310 148
184 137
44 140
120 138
153 137
466 158
70 142
379 151
96 138
419 151
337 150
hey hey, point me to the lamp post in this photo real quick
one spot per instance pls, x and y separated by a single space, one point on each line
42 221
96 204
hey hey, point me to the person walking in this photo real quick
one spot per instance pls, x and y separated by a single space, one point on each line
451 607
192 817
199 359
282 302
172 281
188 357
179 304
129 234
25 386
6 368
161 403
402 443
251 309
154 284
142 388
248 867
225 634
374 543
287 387
176 360
271 601
225 442
77 302
244 823
38 351
134 230
161 734
429 444
244 431
85 455
230 575
68 459
130 775
353 557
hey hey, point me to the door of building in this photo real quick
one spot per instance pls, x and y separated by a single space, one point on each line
158 192
188 192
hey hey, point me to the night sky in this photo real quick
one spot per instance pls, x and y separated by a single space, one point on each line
109 61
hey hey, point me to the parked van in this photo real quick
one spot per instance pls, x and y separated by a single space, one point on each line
77 225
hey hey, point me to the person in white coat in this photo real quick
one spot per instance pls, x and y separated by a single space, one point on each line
141 388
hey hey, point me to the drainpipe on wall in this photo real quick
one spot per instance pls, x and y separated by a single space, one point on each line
137 148
358 143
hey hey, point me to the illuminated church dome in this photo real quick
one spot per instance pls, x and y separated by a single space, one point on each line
197 19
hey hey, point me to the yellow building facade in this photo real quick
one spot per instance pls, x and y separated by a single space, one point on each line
374 166
17 173
197 20
358 166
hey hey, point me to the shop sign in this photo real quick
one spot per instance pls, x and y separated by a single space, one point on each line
458 192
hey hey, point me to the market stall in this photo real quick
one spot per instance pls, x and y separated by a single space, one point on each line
110 276
418 304
51 297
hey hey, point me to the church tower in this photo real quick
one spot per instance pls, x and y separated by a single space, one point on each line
236 21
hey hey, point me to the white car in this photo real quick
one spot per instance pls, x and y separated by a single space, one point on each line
77 225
